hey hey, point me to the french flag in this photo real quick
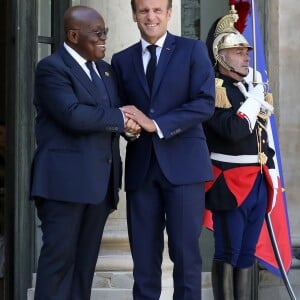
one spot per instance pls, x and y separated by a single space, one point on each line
279 214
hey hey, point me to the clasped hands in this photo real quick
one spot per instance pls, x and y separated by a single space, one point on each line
136 120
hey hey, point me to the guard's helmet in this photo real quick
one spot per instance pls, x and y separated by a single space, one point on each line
226 36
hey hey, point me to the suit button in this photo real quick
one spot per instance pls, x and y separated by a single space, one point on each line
112 128
110 161
152 111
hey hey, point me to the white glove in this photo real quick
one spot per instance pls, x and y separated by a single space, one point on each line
250 108
257 92
254 103
273 175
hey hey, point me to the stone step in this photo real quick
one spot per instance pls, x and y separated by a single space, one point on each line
272 287
117 286
112 294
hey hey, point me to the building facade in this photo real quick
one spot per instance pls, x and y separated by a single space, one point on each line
32 29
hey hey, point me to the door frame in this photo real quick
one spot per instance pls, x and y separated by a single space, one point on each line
20 216
19 213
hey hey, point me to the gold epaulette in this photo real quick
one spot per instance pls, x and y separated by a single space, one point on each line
222 100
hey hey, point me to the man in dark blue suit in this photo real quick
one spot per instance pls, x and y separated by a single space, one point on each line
167 165
76 170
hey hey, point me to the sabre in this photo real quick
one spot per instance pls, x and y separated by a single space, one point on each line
278 258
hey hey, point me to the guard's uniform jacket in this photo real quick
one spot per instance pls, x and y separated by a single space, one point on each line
238 153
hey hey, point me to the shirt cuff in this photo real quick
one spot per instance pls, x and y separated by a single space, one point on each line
158 131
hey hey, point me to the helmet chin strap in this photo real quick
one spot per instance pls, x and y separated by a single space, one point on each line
236 72
229 68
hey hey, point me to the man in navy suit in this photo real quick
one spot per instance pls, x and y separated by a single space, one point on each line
167 165
76 170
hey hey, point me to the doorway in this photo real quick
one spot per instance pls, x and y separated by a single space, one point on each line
20 48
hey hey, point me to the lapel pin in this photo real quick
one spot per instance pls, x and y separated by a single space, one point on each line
168 49
107 74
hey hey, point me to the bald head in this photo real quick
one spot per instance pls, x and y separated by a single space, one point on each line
80 17
85 32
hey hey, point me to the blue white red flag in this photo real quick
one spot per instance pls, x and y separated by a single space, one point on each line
279 214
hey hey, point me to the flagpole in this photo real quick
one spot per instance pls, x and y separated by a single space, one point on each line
254 42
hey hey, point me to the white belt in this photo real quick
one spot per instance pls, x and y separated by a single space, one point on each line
236 159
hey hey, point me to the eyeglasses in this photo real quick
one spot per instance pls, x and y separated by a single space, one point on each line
99 33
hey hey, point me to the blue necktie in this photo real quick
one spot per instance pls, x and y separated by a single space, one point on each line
151 67
97 81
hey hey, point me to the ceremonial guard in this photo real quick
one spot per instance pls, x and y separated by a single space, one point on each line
244 174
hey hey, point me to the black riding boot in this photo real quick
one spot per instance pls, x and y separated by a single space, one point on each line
222 280
242 283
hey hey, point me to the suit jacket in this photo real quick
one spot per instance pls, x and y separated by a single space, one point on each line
77 137
182 98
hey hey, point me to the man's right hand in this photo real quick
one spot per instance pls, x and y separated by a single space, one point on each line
138 116
257 93
132 128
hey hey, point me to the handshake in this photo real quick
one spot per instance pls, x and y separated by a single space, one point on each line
135 120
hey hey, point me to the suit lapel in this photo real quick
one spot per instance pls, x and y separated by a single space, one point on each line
165 56
78 72
106 78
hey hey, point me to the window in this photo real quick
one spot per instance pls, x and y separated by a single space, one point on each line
50 25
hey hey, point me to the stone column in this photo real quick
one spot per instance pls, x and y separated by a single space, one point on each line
114 268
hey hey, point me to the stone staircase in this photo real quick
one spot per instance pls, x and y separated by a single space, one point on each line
113 277
271 287
117 286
